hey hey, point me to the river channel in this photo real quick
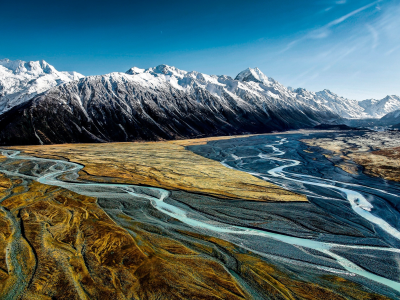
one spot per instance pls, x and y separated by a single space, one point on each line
349 227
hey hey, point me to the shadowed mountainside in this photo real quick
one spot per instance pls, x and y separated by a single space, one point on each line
163 103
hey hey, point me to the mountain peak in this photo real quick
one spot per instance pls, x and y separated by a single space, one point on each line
327 92
252 74
135 70
160 69
167 70
22 67
392 97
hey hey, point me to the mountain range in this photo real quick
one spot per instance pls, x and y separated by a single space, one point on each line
39 105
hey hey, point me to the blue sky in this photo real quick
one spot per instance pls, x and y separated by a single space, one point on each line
351 47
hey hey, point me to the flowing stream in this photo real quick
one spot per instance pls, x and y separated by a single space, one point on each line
159 200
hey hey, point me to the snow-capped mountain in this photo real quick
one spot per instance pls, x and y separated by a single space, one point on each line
165 103
346 108
326 100
21 81
379 108
254 75
158 103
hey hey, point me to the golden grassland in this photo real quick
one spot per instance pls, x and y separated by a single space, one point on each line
69 248
163 164
73 250
381 162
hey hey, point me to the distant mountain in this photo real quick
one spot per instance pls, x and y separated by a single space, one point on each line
159 103
343 107
379 108
351 109
326 99
20 81
391 118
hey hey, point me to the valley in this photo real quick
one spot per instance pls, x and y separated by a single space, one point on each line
184 219
214 150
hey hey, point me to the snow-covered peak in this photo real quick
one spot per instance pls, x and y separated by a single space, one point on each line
30 67
166 70
303 92
368 102
327 93
156 71
21 81
344 107
253 75
135 70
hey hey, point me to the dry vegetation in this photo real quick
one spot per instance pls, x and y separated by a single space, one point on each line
377 152
71 249
163 164
64 246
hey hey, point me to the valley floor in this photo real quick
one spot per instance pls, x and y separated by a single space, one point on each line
192 219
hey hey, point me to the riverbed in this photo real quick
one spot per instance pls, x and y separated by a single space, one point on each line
348 227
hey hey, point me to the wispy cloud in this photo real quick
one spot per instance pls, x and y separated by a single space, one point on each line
394 49
325 31
339 57
290 45
374 34
333 5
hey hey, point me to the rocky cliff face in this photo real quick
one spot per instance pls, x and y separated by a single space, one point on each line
158 103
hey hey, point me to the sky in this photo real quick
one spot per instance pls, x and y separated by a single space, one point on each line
351 47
